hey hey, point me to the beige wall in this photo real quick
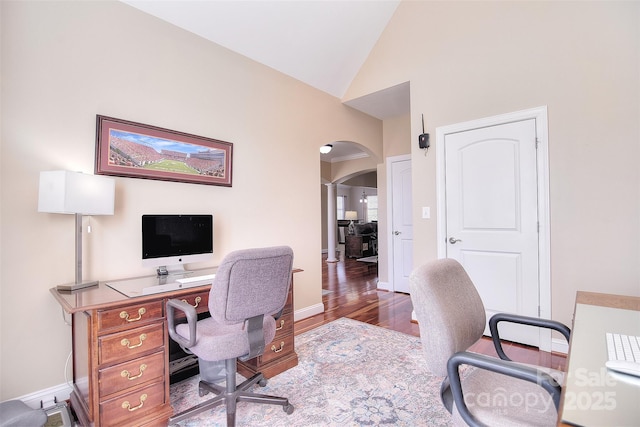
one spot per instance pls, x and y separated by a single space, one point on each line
396 136
65 62
470 60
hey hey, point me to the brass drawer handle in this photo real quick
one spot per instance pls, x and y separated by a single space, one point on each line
126 405
124 315
127 375
126 343
197 302
281 325
277 350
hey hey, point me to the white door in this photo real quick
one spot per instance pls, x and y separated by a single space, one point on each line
492 217
401 224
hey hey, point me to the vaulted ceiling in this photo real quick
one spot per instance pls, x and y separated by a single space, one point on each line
320 42
323 43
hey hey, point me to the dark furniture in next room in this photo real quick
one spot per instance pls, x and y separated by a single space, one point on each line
364 242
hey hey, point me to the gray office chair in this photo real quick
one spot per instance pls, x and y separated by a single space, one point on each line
477 389
16 413
249 288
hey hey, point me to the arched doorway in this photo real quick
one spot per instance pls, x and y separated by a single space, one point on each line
348 172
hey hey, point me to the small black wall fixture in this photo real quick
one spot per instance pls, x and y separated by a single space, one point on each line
423 139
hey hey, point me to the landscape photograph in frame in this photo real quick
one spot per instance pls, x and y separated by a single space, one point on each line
135 150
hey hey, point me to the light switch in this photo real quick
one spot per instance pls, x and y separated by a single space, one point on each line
426 212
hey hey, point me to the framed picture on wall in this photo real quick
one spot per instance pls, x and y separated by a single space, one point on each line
136 150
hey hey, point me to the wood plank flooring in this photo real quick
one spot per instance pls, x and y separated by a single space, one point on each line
350 290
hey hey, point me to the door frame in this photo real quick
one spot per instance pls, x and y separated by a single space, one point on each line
390 285
542 169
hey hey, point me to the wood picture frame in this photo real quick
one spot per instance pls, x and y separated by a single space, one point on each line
136 150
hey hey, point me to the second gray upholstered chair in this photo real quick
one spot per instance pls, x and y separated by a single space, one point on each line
249 288
477 389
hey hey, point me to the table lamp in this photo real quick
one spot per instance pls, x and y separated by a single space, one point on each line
351 216
66 192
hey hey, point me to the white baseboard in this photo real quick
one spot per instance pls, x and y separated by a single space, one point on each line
385 286
47 397
559 345
312 310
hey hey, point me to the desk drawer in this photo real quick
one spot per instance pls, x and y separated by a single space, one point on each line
199 301
130 344
277 348
128 409
129 315
130 374
284 326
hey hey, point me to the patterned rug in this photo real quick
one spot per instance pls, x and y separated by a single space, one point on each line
349 374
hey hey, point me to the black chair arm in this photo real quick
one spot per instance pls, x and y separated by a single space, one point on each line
515 370
192 320
445 394
255 334
523 320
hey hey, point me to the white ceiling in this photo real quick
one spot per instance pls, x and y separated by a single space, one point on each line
320 42
323 43
342 151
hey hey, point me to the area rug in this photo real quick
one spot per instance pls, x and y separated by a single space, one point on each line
349 374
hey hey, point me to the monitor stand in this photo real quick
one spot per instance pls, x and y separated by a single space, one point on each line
173 271
139 286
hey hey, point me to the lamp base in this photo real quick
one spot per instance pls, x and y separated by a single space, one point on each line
352 228
77 286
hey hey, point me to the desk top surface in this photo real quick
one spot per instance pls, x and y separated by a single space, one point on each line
593 395
106 295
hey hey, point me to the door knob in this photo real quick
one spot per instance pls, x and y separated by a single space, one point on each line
397 232
453 240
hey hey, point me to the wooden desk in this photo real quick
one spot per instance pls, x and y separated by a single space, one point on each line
592 395
121 353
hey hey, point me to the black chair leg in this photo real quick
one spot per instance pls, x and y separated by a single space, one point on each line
231 419
231 395
232 392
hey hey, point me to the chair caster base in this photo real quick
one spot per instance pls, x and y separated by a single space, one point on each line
288 409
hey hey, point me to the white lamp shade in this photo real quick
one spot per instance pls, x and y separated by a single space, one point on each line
351 215
75 192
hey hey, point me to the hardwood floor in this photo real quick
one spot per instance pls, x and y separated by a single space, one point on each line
350 290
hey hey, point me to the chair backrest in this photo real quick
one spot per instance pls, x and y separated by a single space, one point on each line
251 282
448 309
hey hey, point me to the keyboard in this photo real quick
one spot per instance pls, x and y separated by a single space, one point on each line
623 353
188 282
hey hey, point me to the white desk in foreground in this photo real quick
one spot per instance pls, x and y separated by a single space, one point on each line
593 395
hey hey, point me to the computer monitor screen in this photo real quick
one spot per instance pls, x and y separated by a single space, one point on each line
170 241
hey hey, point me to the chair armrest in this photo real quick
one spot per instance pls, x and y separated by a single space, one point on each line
503 367
192 320
523 320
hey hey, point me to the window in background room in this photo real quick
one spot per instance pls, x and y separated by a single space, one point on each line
340 202
372 208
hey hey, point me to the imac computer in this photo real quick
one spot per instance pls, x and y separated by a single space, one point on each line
170 241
